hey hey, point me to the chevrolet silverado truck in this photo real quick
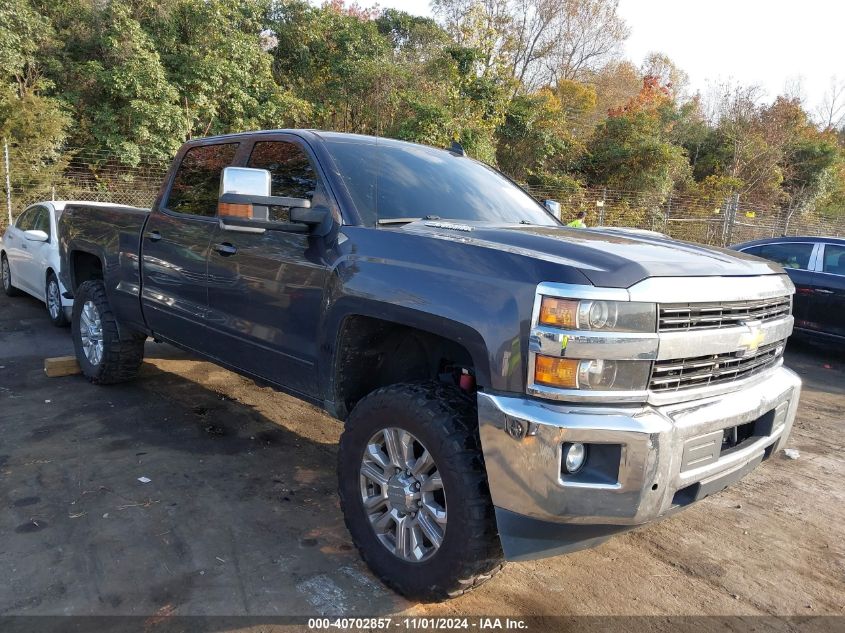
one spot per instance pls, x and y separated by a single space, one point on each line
510 388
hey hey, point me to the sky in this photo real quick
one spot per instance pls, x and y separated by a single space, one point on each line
770 43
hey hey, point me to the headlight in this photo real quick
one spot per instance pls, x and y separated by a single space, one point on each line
608 316
595 375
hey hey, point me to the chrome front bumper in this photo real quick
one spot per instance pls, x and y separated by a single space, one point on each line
669 456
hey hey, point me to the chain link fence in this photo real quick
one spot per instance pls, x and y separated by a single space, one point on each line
689 218
97 177
79 175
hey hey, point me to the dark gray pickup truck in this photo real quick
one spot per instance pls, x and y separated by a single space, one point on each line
511 388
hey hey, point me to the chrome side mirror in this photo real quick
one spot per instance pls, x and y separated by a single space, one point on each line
245 199
246 182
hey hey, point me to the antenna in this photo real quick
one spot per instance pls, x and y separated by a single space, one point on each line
457 149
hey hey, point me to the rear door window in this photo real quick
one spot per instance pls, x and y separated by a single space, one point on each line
834 259
292 175
788 254
196 186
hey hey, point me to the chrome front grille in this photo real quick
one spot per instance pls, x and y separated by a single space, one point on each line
713 369
674 317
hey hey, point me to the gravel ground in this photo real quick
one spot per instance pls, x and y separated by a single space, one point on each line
240 516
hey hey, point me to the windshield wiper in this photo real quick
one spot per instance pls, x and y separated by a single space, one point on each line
406 220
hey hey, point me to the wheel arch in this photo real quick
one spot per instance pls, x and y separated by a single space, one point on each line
84 265
379 345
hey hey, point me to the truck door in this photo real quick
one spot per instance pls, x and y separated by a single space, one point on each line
175 247
264 290
830 289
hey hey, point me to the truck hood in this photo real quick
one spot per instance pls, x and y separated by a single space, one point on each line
608 259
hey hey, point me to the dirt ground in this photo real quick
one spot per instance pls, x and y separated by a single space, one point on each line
240 516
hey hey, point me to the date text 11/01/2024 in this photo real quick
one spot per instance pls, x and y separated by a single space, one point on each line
422 623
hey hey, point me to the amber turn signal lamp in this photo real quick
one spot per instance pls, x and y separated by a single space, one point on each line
234 210
556 372
559 312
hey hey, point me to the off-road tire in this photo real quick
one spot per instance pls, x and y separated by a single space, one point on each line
445 421
123 350
8 288
61 319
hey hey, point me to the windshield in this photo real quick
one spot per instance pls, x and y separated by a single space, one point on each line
393 180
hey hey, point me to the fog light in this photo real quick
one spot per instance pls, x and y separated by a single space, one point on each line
574 456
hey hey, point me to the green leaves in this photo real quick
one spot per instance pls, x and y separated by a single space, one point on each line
129 82
633 148
133 106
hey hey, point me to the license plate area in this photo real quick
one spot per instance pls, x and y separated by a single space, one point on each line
736 438
700 490
708 448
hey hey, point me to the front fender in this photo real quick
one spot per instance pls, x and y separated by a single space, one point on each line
489 317
449 328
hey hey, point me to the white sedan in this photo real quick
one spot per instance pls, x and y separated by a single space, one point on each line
29 256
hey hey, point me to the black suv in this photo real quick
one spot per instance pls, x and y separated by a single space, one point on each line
816 266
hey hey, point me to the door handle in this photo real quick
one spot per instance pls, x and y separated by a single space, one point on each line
822 291
226 249
154 236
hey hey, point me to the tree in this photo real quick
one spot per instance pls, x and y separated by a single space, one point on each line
667 72
740 148
770 154
831 111
532 40
339 63
537 87
614 85
133 110
484 26
218 57
34 124
632 149
449 101
810 160
415 39
535 143
590 34
537 42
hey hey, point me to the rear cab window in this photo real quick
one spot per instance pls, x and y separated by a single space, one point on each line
196 185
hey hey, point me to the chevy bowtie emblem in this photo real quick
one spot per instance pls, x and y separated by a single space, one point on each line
750 341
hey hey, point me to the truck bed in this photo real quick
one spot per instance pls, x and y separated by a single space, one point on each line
113 233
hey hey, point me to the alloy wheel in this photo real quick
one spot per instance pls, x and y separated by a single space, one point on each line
7 275
54 300
403 495
91 333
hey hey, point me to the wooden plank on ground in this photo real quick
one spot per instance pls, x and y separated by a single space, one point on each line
61 366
